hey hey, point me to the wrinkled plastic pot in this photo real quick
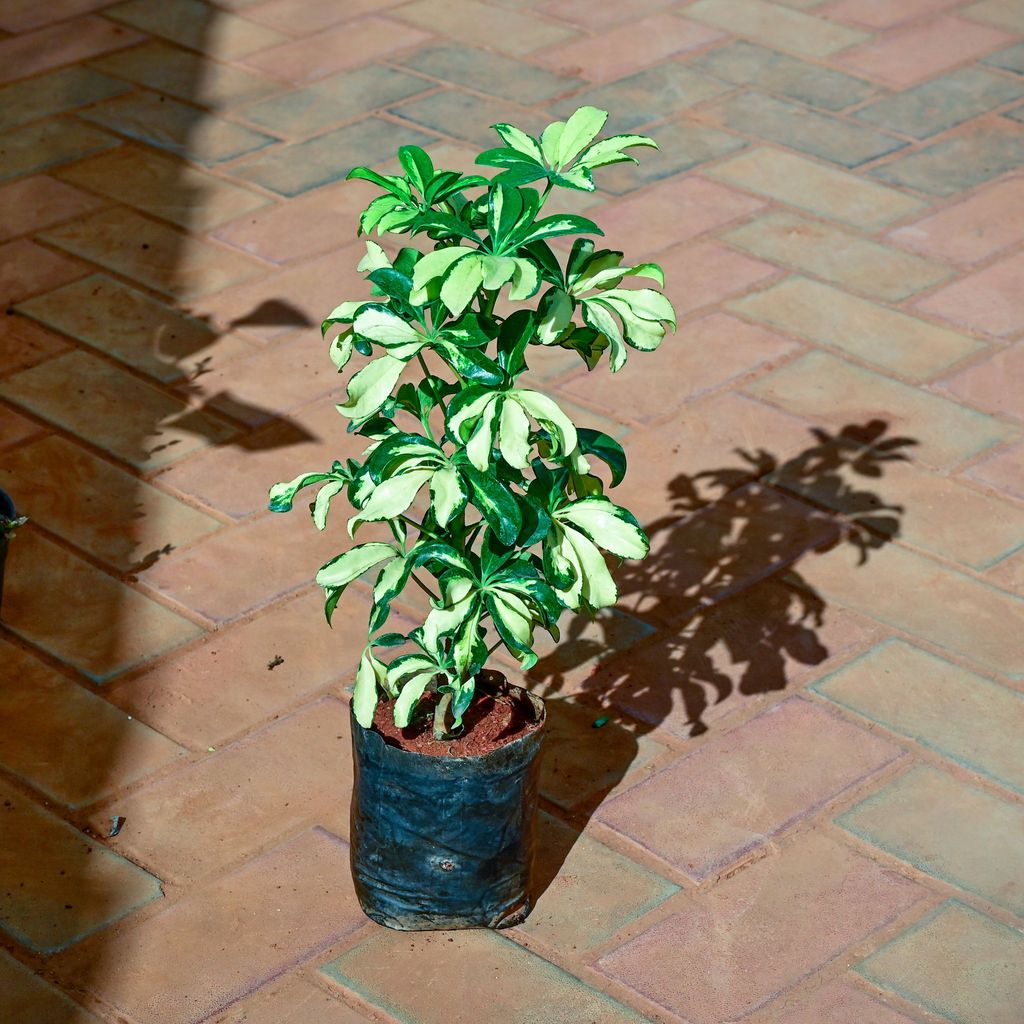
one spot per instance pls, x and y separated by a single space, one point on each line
445 842
7 511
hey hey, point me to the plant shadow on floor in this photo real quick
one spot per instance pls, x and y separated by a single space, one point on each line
729 613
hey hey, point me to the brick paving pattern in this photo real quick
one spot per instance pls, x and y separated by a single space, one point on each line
808 802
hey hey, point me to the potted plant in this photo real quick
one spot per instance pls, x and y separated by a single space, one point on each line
493 498
9 522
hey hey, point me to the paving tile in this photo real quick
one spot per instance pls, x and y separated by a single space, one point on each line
186 131
22 15
56 45
942 103
909 819
775 900
1002 13
1010 59
713 351
954 962
955 612
615 52
775 26
879 14
194 25
302 17
886 337
154 254
344 97
820 387
66 742
743 63
934 512
825 191
203 577
292 1000
293 169
133 328
109 408
944 707
684 145
478 24
670 212
298 296
1004 471
974 229
581 766
837 1002
30 204
987 300
465 116
24 343
115 628
1017 114
491 73
977 155
1009 573
705 272
303 227
586 15
743 789
475 965
57 885
350 45
191 824
188 197
793 125
236 933
15 430
839 256
984 384
26 996
28 269
188 76
235 480
288 373
651 95
184 696
54 93
99 508
46 144
906 56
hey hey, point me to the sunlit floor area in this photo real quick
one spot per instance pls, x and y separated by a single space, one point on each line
783 776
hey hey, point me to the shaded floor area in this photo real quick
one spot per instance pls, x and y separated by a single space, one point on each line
806 803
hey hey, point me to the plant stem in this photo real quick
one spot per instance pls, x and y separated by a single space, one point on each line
426 590
419 526
440 716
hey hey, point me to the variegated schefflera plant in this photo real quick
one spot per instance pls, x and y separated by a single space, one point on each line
512 519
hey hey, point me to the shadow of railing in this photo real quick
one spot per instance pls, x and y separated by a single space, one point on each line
735 616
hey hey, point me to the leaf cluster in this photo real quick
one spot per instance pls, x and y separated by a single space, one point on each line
491 493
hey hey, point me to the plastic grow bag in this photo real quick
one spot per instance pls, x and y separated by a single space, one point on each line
444 842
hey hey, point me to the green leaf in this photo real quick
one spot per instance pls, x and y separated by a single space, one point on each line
645 303
340 350
480 444
283 495
390 583
447 494
560 224
470 363
598 588
578 178
461 284
364 693
344 568
409 697
525 280
601 319
580 130
375 258
547 413
323 502
343 314
435 265
557 309
466 408
519 141
391 498
607 525
417 165
607 449
610 151
393 283
520 174
386 328
514 435
371 386
496 504
550 141
513 338
394 185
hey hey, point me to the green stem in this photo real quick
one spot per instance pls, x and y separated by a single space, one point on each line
426 590
440 717
419 526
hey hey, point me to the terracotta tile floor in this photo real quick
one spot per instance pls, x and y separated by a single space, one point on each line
808 802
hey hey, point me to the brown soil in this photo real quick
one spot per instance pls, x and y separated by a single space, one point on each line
498 715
